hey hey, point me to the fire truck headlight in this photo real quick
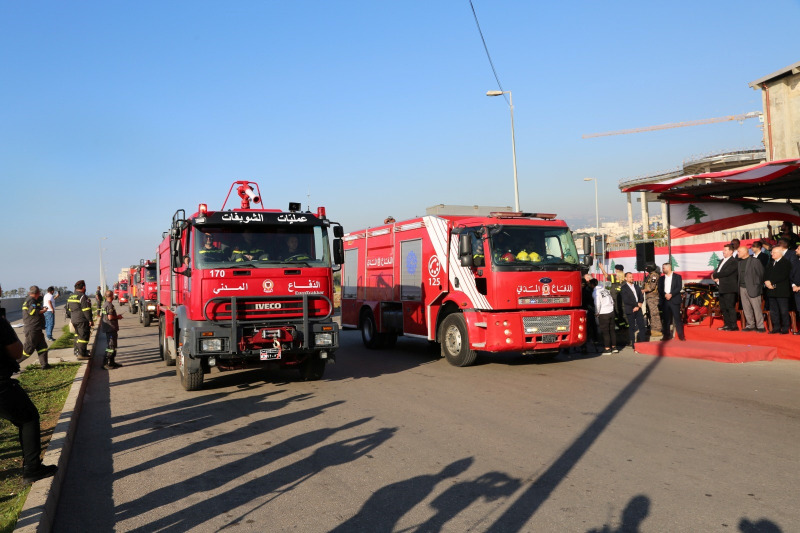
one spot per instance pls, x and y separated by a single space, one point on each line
583 319
580 328
507 332
151 307
211 345
323 339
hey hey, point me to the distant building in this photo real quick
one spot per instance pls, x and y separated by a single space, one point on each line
780 97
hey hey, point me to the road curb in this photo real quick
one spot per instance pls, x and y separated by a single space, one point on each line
40 507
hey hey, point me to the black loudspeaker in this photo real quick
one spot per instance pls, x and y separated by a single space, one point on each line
645 255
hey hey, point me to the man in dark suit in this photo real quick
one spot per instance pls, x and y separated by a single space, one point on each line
759 253
779 288
751 283
726 276
632 302
794 278
669 299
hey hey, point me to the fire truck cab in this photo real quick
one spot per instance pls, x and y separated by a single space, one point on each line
248 287
504 282
146 291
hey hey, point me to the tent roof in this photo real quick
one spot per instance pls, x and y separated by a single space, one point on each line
775 180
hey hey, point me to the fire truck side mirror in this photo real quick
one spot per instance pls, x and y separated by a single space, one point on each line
588 260
465 249
338 251
587 245
338 232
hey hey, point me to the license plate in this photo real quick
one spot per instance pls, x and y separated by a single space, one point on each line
549 339
270 354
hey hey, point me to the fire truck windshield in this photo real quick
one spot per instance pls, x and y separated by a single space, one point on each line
532 247
150 275
261 247
123 285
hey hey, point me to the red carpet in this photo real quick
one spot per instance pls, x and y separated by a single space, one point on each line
710 351
703 342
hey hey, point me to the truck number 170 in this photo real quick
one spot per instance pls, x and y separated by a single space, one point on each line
217 273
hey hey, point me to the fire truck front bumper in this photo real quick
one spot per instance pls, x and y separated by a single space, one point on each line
287 343
526 331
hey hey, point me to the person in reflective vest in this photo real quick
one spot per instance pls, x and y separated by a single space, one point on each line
33 324
248 250
210 251
79 311
110 325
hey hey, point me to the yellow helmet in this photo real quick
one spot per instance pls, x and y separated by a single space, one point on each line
522 256
533 256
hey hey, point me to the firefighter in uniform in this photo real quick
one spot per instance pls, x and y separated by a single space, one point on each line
209 251
651 298
33 324
17 407
110 326
79 311
248 250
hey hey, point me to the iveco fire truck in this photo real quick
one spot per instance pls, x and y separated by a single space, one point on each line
146 291
247 287
504 282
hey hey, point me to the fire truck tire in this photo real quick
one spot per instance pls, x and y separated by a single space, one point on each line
190 381
455 341
369 331
141 315
146 318
312 369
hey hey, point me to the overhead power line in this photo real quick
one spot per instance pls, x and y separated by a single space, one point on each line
478 24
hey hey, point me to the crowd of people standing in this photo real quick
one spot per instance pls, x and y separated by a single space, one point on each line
759 278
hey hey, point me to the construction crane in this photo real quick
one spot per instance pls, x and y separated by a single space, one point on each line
740 118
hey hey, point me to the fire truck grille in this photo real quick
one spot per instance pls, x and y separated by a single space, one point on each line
544 300
273 309
546 324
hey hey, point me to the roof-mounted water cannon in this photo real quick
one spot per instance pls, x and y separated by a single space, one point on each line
247 194
294 207
248 191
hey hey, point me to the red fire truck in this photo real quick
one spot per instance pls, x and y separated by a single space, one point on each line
145 280
504 282
123 291
247 287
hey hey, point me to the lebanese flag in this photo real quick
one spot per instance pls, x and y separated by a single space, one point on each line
697 218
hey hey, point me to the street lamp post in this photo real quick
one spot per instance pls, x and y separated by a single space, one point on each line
102 273
513 143
596 214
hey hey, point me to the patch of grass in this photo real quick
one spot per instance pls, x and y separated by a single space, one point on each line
65 340
48 389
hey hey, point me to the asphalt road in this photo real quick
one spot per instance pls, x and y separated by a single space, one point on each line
402 441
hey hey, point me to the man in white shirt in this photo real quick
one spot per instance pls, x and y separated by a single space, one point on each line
604 311
50 313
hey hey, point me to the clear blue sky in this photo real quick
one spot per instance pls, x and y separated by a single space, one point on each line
115 114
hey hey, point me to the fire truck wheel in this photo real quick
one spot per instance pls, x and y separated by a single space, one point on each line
369 332
146 318
455 341
141 315
312 368
189 380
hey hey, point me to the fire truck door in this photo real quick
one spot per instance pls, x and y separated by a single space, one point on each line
411 287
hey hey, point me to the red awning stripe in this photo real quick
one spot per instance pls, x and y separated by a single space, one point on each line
757 174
